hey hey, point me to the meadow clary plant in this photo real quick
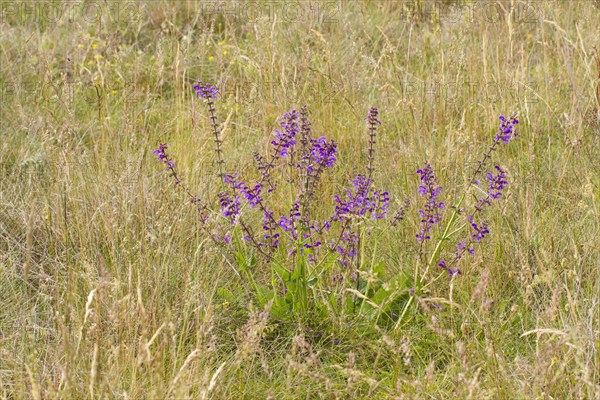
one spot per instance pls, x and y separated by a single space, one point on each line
326 260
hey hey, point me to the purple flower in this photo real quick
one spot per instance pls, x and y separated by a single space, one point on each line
206 90
372 117
497 182
322 152
231 179
430 212
271 238
451 272
460 249
225 239
363 202
507 131
164 158
230 208
480 230
160 152
286 138
288 224
347 248
252 195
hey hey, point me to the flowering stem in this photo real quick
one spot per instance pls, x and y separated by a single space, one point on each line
444 237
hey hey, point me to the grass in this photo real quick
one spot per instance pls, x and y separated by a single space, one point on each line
110 290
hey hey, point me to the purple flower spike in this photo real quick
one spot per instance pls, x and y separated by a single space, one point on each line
363 202
206 90
286 138
372 117
163 157
451 272
430 212
230 208
252 195
480 230
497 182
322 152
160 152
507 131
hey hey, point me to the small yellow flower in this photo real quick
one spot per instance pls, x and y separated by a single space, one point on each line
210 58
94 46
113 92
90 62
98 56
226 304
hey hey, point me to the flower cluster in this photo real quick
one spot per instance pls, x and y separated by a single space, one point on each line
271 236
322 152
286 138
162 156
497 182
430 213
297 160
230 206
371 118
206 90
507 130
451 271
288 223
479 230
362 202
346 248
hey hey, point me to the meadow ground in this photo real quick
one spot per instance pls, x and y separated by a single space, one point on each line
109 289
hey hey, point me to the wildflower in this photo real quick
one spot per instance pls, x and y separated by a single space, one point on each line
347 248
480 230
230 208
286 138
206 90
210 92
497 182
430 212
363 202
451 272
460 250
372 117
288 224
271 238
322 152
373 122
162 156
507 131
252 195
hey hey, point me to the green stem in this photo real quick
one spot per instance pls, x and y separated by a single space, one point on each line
437 250
444 237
